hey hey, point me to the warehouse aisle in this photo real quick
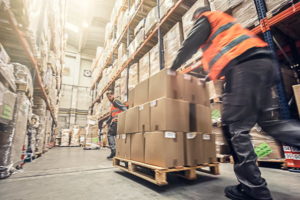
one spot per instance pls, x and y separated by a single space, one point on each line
72 173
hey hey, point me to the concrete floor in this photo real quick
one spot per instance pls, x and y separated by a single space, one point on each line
72 173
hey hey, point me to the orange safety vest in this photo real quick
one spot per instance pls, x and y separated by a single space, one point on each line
114 112
227 41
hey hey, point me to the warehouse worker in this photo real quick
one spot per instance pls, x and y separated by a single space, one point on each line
116 108
246 63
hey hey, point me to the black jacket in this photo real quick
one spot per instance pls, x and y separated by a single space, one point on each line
199 35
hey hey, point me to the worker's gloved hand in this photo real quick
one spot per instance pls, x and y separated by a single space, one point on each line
204 80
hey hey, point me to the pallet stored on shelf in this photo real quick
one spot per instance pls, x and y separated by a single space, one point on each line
158 175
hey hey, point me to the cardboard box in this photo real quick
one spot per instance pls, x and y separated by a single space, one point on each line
194 91
169 115
121 123
151 19
167 84
144 65
209 141
296 89
133 78
131 98
144 118
123 143
132 120
137 151
200 148
141 93
245 13
200 118
154 60
164 149
172 43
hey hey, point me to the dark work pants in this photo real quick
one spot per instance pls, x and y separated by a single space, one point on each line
112 131
247 101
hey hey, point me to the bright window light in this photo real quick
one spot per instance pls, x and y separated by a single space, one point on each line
85 25
72 27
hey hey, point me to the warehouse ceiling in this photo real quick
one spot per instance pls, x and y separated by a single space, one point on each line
85 24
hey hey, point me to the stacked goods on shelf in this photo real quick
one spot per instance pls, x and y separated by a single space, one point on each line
65 137
117 88
151 20
133 77
154 60
48 131
123 84
82 135
172 43
92 133
75 136
144 67
32 130
167 114
39 108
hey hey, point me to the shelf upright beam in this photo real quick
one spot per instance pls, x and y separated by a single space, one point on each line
160 40
261 12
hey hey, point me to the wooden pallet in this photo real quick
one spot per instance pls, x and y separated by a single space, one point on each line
224 158
158 175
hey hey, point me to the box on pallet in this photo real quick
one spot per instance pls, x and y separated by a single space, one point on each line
121 123
164 149
142 90
194 91
199 148
172 43
169 115
137 149
131 98
123 145
144 118
167 84
132 120
200 118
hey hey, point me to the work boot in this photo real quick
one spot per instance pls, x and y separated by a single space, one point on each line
112 154
236 192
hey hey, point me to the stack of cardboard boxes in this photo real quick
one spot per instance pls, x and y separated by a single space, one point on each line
168 123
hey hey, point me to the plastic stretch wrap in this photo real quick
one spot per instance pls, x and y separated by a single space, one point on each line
20 118
7 72
65 137
32 130
23 76
39 109
75 136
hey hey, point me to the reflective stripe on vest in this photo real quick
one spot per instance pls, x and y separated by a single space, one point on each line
227 41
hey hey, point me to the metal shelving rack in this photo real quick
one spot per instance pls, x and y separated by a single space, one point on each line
155 35
14 29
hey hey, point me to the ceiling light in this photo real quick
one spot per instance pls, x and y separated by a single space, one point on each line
72 27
